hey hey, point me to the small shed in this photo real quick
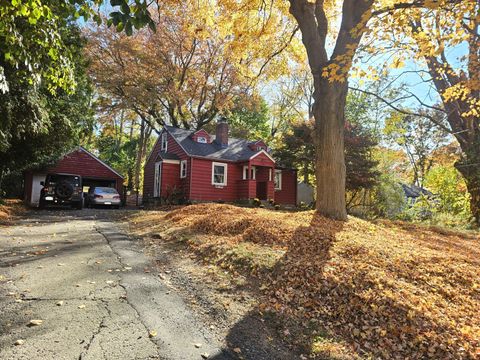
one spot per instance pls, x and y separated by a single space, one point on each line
80 161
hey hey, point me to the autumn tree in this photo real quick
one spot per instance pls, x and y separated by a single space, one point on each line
194 66
442 39
330 66
419 138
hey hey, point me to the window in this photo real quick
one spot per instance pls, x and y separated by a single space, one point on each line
278 179
202 139
259 148
219 174
163 146
245 172
183 169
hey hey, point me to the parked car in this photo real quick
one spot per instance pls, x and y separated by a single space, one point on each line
98 195
62 189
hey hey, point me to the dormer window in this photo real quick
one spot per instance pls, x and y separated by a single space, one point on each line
202 139
163 143
259 148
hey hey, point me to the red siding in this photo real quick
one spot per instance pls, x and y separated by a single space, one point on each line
197 186
27 186
149 170
202 188
170 178
262 160
288 194
202 133
79 162
263 176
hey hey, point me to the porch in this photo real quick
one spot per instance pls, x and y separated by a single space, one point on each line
257 182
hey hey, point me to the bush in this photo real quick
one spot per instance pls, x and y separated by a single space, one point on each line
388 198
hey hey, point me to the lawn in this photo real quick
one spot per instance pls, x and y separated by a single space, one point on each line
358 289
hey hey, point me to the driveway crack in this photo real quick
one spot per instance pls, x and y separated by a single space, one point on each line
119 260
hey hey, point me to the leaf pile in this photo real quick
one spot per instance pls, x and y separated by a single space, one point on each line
10 208
390 292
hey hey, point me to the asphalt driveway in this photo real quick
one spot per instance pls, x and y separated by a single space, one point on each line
73 285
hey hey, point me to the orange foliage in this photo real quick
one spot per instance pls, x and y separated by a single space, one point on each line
389 290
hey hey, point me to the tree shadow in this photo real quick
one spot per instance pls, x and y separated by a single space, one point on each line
308 309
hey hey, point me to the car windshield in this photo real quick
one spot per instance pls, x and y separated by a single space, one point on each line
105 190
55 179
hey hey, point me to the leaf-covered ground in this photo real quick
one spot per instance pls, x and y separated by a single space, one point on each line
387 290
10 208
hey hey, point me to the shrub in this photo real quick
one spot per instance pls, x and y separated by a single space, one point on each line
256 202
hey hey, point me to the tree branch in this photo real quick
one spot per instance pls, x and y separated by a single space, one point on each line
403 111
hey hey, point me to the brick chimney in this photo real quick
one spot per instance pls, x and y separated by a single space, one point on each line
222 132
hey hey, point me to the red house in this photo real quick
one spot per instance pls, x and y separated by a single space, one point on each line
204 167
80 161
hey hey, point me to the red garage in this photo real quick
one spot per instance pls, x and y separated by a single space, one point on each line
94 172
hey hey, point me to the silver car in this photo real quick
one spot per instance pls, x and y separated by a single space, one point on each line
103 196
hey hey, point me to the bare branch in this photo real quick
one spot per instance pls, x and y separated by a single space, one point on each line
403 111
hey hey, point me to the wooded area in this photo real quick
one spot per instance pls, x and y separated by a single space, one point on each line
327 83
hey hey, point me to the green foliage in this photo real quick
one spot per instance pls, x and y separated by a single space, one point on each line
450 190
387 197
32 43
37 126
249 118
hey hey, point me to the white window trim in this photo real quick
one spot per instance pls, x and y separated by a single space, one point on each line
225 166
163 142
270 174
253 172
279 185
183 168
245 172
204 140
157 179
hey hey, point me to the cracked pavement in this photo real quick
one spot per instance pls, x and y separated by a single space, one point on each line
90 285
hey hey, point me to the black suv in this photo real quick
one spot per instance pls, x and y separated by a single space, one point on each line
62 189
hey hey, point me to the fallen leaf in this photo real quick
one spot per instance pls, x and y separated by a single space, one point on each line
237 350
152 333
81 306
35 322
198 345
60 303
19 342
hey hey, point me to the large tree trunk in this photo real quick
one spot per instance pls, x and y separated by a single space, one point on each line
330 157
470 171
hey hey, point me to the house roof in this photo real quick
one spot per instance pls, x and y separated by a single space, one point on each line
237 149
81 148
168 156
413 191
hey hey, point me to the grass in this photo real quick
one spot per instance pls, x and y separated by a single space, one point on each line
384 290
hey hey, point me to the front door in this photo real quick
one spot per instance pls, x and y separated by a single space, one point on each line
157 184
262 190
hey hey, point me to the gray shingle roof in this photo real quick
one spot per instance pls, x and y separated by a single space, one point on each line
168 156
237 149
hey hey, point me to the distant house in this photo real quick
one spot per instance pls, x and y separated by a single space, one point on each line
205 167
413 192
80 161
